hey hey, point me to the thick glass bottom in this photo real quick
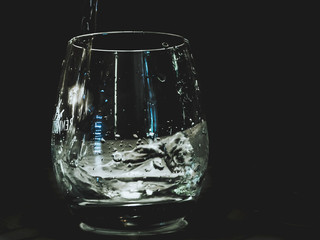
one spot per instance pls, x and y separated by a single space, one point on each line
160 228
132 219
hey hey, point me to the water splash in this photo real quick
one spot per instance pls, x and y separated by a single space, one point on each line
169 167
89 16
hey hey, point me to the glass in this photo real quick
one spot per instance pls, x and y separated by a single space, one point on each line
129 140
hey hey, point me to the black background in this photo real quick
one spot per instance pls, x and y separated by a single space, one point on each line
254 64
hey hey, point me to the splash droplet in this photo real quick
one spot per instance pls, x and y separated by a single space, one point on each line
149 192
117 157
157 163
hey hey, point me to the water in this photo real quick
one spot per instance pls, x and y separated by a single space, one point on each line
134 174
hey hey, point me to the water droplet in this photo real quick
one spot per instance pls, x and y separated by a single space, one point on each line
73 163
196 85
135 135
117 135
193 70
165 44
162 78
139 141
67 185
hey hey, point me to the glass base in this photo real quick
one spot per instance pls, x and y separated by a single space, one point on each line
160 228
132 218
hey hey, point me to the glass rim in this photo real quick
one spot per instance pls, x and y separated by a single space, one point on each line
87 36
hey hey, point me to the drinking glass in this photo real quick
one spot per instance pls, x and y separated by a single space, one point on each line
129 139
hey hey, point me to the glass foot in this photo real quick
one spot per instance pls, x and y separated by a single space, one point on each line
161 228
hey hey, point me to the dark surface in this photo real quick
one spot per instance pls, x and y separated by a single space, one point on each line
47 217
255 66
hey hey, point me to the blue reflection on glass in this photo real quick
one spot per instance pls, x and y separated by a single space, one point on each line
151 102
97 132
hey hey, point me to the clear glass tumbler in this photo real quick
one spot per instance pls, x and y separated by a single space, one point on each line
129 140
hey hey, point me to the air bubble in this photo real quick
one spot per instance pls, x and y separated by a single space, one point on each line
162 78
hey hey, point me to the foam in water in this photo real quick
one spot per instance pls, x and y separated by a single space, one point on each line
139 170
